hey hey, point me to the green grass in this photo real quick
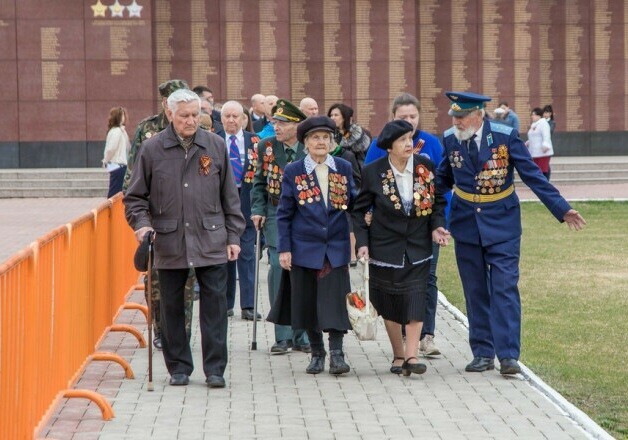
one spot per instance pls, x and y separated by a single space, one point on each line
574 293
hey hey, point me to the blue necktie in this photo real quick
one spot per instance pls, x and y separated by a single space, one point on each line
236 163
473 151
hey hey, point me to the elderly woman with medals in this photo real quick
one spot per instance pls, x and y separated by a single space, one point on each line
314 247
408 214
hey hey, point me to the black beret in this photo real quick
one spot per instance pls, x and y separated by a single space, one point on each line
315 123
140 259
393 131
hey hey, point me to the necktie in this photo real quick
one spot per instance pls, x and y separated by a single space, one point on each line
236 162
473 151
289 155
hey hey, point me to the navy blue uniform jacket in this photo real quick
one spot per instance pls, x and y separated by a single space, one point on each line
312 231
501 152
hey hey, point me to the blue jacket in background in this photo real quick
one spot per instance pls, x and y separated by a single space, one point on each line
431 148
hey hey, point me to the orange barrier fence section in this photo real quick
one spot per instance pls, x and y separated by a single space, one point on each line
58 298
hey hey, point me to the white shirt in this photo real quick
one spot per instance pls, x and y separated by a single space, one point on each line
404 180
539 136
478 137
117 146
239 142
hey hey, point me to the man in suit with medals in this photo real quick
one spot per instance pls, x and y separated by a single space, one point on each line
273 154
241 145
485 221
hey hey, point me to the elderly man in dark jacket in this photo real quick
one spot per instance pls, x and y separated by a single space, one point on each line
182 187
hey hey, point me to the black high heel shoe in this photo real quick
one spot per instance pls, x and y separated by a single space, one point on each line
396 369
407 369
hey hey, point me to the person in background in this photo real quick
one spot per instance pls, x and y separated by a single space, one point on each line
206 122
117 148
408 216
485 222
510 117
406 107
205 93
308 106
273 154
183 189
349 135
247 124
264 128
241 145
257 108
548 114
539 141
316 193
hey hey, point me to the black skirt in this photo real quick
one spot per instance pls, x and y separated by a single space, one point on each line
399 294
313 299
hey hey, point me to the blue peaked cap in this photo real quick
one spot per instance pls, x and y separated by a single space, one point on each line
464 102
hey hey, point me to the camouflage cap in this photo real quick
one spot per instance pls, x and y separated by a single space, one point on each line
287 112
167 87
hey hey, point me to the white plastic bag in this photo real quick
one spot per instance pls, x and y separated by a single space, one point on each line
363 320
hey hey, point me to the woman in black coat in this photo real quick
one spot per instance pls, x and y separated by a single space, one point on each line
408 214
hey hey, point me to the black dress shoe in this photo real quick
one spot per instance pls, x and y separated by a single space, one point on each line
317 364
407 368
396 369
337 364
157 342
509 366
479 364
230 312
280 347
305 348
179 379
215 381
247 314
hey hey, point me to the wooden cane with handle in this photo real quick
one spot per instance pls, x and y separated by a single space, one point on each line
149 300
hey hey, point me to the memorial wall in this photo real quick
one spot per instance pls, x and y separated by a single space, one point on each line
65 63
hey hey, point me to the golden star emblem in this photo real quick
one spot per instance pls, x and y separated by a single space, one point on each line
135 9
99 9
116 9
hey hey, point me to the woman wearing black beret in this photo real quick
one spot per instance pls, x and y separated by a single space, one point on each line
407 215
314 247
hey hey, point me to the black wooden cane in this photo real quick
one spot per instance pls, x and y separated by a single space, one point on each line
149 301
258 245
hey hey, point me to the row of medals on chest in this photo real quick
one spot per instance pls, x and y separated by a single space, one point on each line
308 191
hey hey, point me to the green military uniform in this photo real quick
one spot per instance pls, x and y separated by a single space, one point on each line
272 157
146 129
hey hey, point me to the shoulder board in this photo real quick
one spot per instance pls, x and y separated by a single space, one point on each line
150 118
449 132
501 128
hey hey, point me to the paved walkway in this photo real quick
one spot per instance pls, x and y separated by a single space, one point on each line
270 397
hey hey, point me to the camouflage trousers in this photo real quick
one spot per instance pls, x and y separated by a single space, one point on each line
156 297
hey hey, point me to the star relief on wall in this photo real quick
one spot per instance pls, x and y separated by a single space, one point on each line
117 9
135 10
99 9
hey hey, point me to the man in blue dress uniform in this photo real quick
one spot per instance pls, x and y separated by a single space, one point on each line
479 161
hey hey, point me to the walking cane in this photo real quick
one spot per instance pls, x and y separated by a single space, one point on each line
149 301
258 245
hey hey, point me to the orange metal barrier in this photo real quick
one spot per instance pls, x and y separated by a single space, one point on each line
58 298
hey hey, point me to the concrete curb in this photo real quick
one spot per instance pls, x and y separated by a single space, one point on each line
580 418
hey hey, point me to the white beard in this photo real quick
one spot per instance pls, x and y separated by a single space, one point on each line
463 135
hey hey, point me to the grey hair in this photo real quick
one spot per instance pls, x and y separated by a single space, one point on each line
182 95
232 104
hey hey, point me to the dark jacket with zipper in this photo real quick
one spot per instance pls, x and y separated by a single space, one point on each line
192 205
